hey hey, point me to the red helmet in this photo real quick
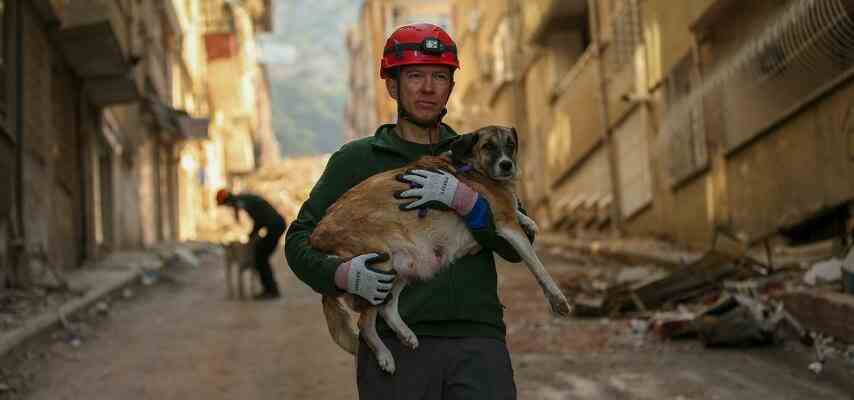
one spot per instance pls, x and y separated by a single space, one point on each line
222 195
418 44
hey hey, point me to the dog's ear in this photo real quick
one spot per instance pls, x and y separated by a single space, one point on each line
461 148
515 136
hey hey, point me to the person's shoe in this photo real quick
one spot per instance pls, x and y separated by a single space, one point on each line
267 296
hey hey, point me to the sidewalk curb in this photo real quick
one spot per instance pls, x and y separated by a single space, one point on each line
48 319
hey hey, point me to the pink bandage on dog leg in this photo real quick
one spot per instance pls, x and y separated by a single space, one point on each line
464 199
341 275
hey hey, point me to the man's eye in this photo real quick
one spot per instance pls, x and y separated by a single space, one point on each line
441 77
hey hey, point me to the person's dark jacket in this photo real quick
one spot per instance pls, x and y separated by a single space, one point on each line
262 213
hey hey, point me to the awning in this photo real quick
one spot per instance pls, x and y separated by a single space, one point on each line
176 123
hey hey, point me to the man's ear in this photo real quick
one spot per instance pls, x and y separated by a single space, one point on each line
461 148
391 86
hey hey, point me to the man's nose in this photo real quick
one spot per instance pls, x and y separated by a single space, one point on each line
429 85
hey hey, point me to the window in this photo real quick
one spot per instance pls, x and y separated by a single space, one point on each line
687 142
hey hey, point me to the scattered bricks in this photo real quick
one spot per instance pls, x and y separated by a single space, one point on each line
827 312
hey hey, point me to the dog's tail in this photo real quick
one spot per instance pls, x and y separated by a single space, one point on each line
340 325
523 247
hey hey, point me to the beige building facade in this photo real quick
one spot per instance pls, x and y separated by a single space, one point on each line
659 118
677 119
105 121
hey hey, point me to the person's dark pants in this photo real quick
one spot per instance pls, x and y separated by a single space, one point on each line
265 248
439 369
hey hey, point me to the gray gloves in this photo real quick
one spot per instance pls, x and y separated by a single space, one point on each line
436 189
358 277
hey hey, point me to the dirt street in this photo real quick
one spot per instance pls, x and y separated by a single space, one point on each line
181 339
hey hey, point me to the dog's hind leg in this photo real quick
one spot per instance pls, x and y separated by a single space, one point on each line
368 330
390 313
556 298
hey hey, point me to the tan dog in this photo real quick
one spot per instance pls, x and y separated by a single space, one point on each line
240 259
367 219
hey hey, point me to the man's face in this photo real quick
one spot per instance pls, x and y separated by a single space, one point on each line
424 90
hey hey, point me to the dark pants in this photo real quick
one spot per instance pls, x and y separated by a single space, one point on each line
265 248
440 369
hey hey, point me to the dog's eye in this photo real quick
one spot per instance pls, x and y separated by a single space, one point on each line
489 146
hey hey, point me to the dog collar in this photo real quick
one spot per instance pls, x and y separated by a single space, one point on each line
464 168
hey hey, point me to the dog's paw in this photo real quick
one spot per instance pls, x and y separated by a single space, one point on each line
560 305
528 225
386 361
409 340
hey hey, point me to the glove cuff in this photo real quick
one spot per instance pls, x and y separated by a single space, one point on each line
341 275
464 199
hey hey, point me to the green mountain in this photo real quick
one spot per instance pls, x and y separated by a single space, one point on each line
307 61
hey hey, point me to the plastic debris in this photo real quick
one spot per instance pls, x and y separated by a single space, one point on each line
816 367
639 326
827 271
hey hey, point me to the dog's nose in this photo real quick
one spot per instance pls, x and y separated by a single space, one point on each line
505 165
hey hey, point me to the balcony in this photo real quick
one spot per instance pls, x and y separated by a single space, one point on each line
174 124
544 16
92 37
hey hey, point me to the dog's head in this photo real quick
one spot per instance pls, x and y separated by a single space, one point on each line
490 150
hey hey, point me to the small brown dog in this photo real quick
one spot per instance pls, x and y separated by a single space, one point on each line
367 219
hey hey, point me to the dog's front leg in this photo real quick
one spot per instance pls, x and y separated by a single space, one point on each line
555 296
391 314
368 330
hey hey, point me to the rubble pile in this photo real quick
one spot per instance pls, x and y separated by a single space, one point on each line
286 185
726 297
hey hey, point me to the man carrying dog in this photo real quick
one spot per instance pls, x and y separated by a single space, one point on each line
457 315
263 216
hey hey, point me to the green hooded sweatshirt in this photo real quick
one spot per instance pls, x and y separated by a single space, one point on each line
462 300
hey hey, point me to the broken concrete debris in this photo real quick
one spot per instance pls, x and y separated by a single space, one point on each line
727 298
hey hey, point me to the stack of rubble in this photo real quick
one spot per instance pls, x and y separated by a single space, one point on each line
724 297
285 184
